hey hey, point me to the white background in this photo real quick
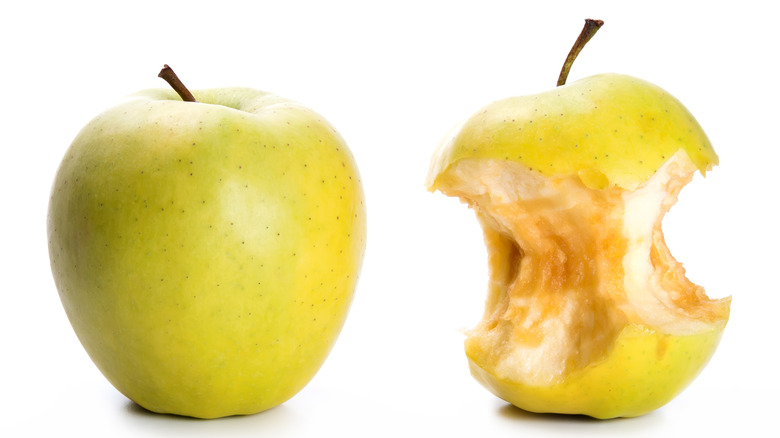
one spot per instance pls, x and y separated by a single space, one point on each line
393 77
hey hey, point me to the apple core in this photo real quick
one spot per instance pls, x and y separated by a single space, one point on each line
587 311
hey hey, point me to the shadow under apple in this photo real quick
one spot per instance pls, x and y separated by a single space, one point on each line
278 419
512 413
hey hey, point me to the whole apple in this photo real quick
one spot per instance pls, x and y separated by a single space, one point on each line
206 253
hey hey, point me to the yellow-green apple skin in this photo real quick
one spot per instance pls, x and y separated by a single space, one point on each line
611 129
587 311
206 253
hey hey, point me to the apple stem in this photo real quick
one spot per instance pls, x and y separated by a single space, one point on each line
175 83
590 29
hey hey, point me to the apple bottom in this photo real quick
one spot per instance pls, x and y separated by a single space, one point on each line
644 371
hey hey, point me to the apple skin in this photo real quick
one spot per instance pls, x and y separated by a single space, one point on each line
645 370
613 132
206 254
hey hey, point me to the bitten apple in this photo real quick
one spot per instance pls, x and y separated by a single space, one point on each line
206 253
587 310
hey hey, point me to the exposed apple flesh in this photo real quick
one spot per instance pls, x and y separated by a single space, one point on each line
574 272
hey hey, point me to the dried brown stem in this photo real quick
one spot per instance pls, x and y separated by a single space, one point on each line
175 83
590 29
